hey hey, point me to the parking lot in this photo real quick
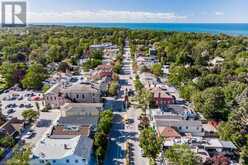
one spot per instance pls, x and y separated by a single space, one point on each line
39 131
14 102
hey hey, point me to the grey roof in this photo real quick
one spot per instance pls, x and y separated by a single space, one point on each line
178 109
177 123
79 120
81 88
83 107
227 144
168 116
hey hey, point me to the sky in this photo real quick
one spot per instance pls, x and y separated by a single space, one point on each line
137 11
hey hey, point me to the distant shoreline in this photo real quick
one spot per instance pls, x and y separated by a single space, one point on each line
236 29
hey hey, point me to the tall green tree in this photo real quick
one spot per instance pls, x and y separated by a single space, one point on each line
150 143
211 102
12 72
157 69
181 155
144 98
34 77
30 115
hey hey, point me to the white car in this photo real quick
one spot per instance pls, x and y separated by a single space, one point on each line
27 135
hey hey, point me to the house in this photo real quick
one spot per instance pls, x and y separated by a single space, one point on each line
12 127
216 61
103 84
54 97
69 131
59 94
162 98
194 127
63 151
152 51
101 46
214 145
168 133
97 75
148 80
91 121
81 109
82 93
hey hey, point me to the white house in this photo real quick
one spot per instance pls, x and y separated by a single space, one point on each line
73 151
194 127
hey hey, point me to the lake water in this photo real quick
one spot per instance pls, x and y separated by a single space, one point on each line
231 29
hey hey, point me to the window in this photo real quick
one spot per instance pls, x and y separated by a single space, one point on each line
42 161
187 127
197 128
180 127
76 161
77 96
67 161
82 96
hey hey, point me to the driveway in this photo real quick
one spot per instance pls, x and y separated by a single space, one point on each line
39 132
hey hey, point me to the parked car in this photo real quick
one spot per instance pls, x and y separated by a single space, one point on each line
28 135
10 111
20 98
28 106
21 106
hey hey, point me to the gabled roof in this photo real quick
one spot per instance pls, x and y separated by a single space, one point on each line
168 132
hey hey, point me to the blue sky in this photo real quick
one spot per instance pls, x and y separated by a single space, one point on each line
192 11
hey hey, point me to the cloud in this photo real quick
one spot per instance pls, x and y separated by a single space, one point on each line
219 13
104 16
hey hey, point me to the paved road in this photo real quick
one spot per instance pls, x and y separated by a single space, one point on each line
120 132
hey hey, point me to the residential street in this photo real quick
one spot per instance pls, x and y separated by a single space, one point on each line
121 132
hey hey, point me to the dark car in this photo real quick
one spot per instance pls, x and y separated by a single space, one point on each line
10 111
28 106
21 106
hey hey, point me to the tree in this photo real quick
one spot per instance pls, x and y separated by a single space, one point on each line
63 67
12 72
244 156
145 98
211 102
179 75
150 143
45 88
138 85
29 115
157 69
113 88
210 80
100 141
100 138
181 155
20 157
233 89
186 91
54 53
236 128
7 141
117 67
105 121
34 77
